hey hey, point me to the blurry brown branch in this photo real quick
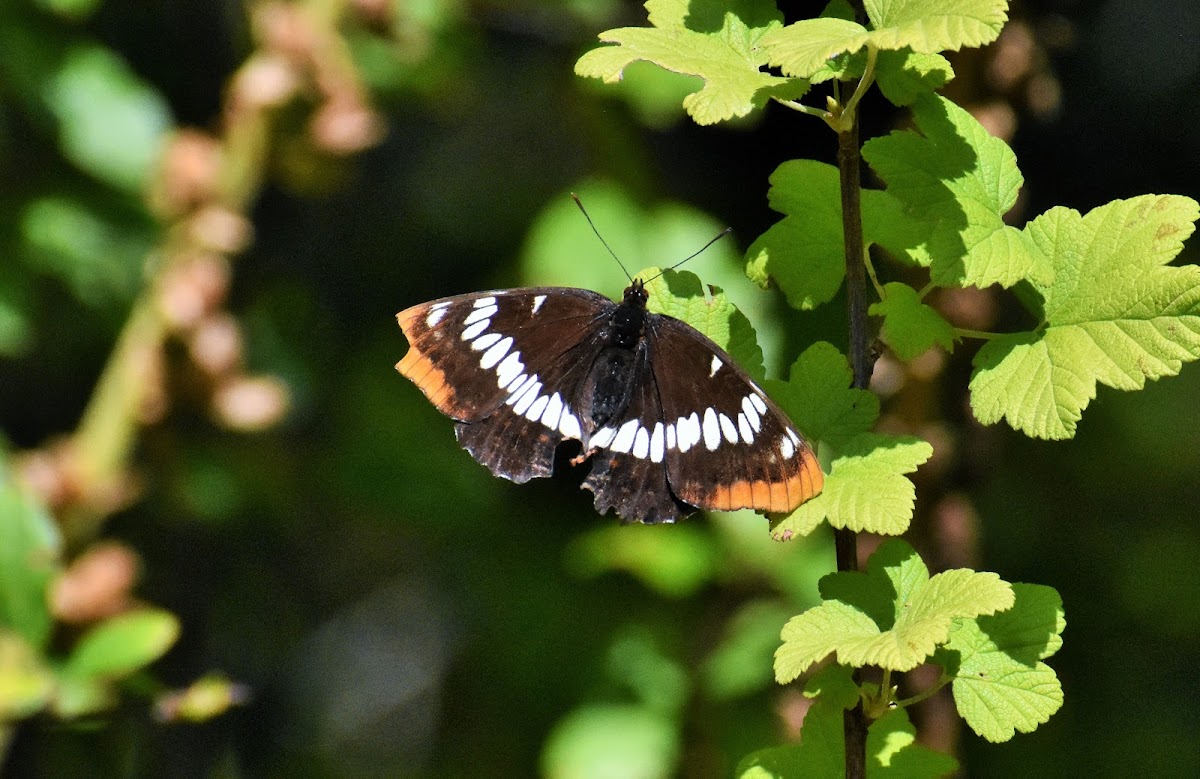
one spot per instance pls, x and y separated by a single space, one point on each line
202 191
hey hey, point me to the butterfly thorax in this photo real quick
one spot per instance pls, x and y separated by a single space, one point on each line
611 378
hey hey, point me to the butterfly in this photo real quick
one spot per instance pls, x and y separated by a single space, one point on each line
668 421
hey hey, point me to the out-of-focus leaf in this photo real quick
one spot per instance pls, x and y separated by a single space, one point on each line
597 742
98 260
73 9
674 561
29 558
111 123
25 683
123 644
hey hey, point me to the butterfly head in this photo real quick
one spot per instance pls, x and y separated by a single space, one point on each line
635 294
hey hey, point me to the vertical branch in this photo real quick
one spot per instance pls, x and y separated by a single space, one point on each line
846 542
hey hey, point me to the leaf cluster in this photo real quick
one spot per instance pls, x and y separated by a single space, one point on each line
1105 306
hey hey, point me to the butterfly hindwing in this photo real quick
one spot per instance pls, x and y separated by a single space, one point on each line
629 473
728 445
497 363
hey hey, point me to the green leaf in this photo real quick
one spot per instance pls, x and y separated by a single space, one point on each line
655 95
865 490
608 741
892 751
25 682
935 25
893 615
126 643
1000 684
680 294
79 696
910 327
959 181
727 57
659 681
819 399
905 75
673 564
111 123
821 751
804 253
741 662
802 49
30 549
1115 314
98 259
927 26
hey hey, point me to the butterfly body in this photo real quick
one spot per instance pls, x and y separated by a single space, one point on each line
669 422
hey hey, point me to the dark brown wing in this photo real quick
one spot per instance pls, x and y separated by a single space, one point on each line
505 365
726 445
628 473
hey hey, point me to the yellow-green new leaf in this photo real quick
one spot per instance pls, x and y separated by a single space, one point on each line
925 26
1115 314
729 60
893 615
1000 683
866 489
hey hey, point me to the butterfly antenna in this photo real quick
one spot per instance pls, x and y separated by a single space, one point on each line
579 203
700 251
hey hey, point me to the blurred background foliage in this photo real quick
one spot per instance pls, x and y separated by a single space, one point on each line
234 542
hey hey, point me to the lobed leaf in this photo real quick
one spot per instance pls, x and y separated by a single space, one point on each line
1115 314
893 615
926 26
905 75
804 253
866 489
959 181
819 399
910 327
729 59
1000 683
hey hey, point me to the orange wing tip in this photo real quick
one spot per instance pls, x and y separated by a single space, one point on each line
417 368
408 317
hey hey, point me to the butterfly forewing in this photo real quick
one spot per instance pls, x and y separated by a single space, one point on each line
499 362
728 445
510 335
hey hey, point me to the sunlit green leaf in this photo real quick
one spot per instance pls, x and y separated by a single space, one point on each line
893 615
1000 684
728 58
910 327
1115 314
960 181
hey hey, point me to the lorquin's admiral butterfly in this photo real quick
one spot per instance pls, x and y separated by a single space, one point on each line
668 420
